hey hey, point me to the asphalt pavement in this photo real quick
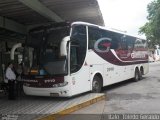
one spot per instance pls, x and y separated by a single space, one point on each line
127 100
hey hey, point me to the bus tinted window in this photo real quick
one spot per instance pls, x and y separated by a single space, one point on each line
115 38
124 45
116 43
78 47
94 35
130 42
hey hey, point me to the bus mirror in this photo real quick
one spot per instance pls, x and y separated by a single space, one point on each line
13 50
63 46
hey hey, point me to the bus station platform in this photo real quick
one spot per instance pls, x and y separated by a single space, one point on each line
44 108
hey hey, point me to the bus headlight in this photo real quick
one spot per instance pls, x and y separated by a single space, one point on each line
60 84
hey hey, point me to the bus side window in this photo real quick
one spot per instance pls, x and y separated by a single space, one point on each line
138 44
78 46
130 42
73 58
124 43
94 35
116 43
109 35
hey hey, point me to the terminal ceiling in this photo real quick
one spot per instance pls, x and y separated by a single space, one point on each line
17 16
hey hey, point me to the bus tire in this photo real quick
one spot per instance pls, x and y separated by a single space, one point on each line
141 73
96 84
136 75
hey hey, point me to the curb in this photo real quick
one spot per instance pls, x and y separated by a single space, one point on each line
73 108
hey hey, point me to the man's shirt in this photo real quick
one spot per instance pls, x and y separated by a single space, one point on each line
10 75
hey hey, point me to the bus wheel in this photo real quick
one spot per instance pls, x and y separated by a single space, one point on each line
96 85
136 75
140 74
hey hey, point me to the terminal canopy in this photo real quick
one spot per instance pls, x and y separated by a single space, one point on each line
17 16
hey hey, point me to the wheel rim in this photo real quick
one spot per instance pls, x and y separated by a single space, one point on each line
96 86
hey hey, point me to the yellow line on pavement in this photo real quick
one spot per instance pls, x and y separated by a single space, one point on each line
72 108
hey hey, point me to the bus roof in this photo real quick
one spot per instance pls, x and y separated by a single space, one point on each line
105 28
50 25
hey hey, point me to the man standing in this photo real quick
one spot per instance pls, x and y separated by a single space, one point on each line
10 75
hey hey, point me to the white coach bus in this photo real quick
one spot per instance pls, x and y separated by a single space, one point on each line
66 59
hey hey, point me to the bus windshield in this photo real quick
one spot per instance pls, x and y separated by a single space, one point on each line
42 51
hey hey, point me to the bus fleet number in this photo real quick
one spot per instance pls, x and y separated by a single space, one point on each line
110 69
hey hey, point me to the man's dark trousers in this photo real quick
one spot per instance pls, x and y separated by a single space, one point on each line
11 94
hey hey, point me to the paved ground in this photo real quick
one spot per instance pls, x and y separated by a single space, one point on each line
128 97
32 107
124 98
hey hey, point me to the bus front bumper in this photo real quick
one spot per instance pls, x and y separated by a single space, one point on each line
54 92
